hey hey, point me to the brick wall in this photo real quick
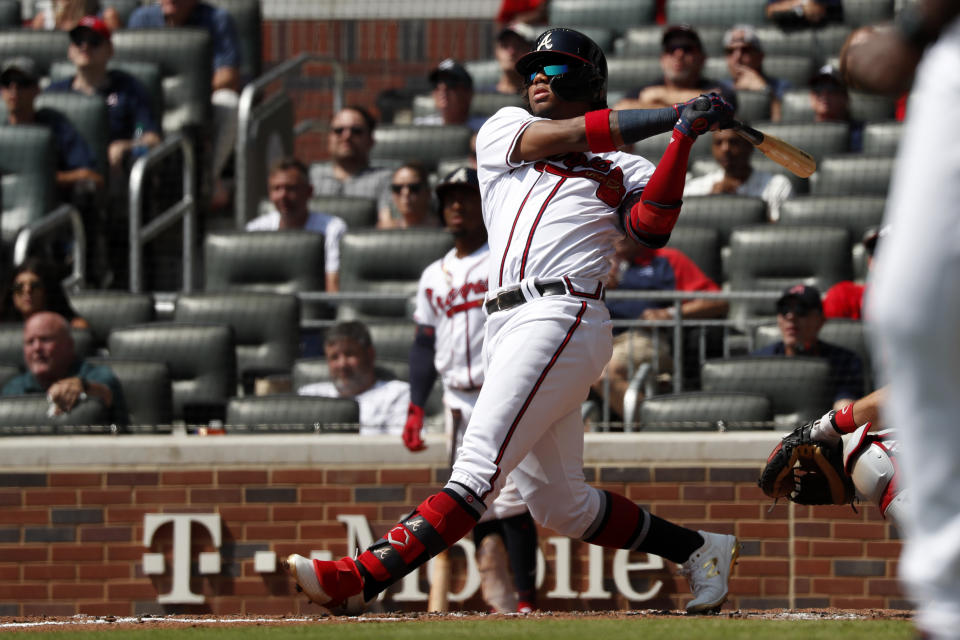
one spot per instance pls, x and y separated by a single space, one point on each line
71 540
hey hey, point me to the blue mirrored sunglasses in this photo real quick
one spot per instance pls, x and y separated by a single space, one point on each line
550 70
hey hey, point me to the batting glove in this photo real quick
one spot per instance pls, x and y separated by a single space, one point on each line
702 113
825 429
411 430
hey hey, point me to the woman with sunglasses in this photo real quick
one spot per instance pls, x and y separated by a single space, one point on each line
34 288
412 204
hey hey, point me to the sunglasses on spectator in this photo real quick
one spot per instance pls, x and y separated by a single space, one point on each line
413 187
799 310
20 81
89 38
354 131
550 70
32 285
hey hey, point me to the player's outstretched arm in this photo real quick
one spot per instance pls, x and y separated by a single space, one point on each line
422 376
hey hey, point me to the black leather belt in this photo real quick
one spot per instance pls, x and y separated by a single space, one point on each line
514 297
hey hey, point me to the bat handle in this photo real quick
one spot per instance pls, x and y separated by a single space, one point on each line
748 133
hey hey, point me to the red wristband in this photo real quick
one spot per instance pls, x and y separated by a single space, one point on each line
843 419
599 137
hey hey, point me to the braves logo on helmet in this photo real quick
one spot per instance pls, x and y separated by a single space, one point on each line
546 43
398 537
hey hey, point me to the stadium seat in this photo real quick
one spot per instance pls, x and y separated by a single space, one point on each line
43 47
796 69
201 360
8 372
728 12
146 389
428 144
796 386
852 174
392 340
882 138
183 55
292 414
753 106
10 14
856 214
485 73
386 261
706 411
773 257
700 244
863 106
88 115
27 163
105 310
607 14
487 103
28 415
356 212
627 74
249 21
266 328
723 212
816 138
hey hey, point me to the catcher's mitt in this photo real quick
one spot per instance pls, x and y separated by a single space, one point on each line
806 471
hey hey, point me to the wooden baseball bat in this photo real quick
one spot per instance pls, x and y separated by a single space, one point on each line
797 161
440 583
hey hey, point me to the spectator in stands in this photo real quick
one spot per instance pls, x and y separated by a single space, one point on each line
288 186
19 86
349 173
682 61
352 361
793 14
741 44
737 175
225 79
845 298
64 15
638 268
35 287
412 201
131 120
452 95
800 318
831 103
513 41
53 368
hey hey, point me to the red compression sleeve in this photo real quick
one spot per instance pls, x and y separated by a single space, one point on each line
652 219
597 124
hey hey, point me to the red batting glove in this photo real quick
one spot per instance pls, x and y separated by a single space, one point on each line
411 430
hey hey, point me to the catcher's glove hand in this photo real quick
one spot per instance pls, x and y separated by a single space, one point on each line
806 471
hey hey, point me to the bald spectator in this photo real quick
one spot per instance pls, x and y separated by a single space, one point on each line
349 142
682 59
452 95
513 41
54 369
737 175
288 187
744 52
352 361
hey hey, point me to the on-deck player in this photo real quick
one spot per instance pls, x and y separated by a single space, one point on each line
450 327
556 195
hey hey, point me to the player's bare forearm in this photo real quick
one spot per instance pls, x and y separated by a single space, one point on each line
867 409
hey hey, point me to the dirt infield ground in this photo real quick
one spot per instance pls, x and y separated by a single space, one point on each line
90 623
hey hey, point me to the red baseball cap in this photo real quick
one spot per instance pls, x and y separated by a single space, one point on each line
95 24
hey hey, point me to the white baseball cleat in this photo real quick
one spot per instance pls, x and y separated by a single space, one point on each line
342 596
708 571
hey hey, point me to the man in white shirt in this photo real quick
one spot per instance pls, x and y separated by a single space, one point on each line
290 191
736 175
352 362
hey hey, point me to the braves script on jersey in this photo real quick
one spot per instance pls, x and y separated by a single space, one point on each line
450 299
553 218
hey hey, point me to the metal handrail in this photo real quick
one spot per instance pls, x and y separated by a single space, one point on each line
63 216
248 97
185 210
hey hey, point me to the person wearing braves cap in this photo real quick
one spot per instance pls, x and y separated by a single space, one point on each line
682 60
130 117
452 95
513 41
800 319
556 194
449 341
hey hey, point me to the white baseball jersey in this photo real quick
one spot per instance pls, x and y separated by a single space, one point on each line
552 218
450 299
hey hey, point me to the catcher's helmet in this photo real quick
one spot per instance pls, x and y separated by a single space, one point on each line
586 78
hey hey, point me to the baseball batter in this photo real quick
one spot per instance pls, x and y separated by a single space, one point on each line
450 328
556 195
